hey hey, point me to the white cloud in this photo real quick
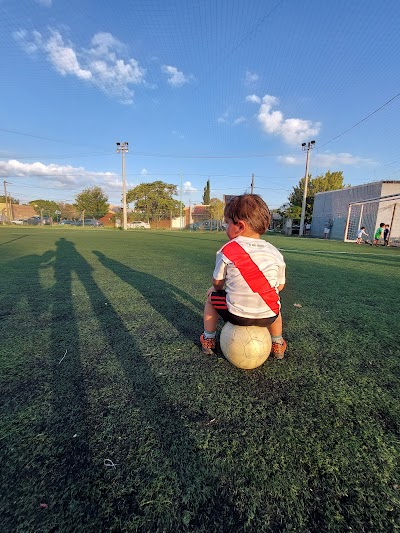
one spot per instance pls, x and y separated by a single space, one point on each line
102 65
176 77
225 118
292 130
59 175
290 160
64 58
31 45
253 98
251 77
328 160
188 187
144 172
105 44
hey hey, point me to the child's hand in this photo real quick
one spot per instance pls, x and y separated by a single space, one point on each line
210 290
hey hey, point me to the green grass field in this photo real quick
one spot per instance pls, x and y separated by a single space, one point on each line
112 420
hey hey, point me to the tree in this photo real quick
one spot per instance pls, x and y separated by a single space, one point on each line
9 198
46 207
206 194
154 200
330 181
68 211
289 211
216 209
93 201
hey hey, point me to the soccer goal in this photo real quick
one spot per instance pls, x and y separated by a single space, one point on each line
371 213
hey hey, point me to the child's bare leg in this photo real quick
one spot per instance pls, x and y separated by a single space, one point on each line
278 343
276 327
207 338
210 317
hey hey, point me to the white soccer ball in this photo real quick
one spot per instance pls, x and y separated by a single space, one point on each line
245 346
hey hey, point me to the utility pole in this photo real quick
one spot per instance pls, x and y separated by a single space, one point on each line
252 183
122 148
306 147
8 204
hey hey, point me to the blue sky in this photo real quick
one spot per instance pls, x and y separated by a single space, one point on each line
210 89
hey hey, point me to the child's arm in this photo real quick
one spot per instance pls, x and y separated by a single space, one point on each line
218 284
281 277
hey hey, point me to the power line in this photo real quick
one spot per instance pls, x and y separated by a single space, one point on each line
362 120
38 137
208 156
71 156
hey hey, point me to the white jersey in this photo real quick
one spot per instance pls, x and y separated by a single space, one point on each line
252 269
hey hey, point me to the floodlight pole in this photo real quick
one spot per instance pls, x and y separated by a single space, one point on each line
180 205
8 203
306 147
122 148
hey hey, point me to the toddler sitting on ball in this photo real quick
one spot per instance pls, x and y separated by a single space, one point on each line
248 276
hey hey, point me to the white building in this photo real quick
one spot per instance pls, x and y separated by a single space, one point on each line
371 204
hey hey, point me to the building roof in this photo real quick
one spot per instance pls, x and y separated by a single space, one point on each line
22 211
361 185
200 210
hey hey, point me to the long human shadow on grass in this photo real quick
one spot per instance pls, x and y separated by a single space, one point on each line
67 423
24 284
56 423
21 306
198 490
165 298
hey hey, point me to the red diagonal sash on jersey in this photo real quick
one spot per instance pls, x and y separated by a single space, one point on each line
252 275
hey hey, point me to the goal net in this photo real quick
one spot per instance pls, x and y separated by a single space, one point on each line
370 214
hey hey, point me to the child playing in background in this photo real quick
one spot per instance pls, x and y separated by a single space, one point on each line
386 232
248 276
378 234
360 234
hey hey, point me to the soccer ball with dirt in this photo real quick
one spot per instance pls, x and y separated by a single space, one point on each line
245 346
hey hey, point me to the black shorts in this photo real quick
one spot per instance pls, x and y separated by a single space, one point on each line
218 300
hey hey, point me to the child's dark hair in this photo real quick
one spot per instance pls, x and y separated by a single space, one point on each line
252 209
381 224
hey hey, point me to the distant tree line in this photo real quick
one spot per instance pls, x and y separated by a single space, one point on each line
151 202
330 181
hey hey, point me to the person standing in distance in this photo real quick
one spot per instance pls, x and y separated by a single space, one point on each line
378 234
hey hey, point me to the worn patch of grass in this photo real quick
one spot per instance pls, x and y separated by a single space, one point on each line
309 443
